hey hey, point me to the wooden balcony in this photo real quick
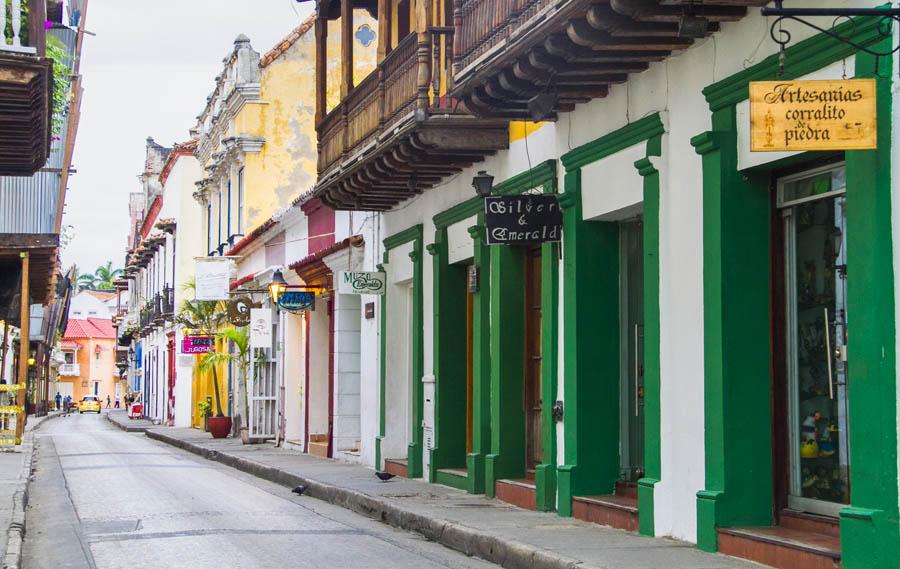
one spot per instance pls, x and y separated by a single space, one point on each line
26 84
508 51
391 138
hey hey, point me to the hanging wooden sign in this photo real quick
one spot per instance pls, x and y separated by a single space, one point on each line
813 115
297 300
523 219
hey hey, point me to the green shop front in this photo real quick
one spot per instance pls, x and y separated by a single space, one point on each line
800 392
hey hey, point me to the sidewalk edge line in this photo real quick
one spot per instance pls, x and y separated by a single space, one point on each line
469 541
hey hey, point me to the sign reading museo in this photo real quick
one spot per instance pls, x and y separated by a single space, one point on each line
360 282
522 219
813 115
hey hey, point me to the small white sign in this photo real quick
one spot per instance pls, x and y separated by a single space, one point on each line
212 276
261 328
360 282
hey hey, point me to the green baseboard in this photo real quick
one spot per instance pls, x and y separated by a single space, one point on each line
646 515
545 487
475 466
564 489
869 539
708 506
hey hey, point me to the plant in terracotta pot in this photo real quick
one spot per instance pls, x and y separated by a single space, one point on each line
238 341
203 317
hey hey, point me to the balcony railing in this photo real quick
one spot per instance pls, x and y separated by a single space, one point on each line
70 370
22 26
485 23
167 299
386 95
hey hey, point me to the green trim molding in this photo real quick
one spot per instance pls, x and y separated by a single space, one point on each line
591 321
737 395
412 234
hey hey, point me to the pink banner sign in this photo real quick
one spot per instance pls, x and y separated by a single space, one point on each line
196 344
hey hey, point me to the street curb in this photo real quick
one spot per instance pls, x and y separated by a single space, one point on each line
130 428
15 534
464 539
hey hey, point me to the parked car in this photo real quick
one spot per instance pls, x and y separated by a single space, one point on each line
89 403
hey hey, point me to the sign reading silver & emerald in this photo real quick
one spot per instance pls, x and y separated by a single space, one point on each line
813 115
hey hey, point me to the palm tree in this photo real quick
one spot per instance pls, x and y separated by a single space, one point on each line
105 276
240 339
82 281
203 316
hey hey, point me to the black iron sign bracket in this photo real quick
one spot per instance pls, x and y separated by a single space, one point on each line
782 37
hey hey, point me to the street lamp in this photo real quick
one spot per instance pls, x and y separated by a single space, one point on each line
483 183
31 361
277 286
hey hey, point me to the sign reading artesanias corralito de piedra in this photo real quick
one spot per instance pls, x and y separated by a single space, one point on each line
522 219
813 115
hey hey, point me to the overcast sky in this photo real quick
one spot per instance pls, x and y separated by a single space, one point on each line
147 72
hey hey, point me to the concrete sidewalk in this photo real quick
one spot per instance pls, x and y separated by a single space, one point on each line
475 525
119 418
15 473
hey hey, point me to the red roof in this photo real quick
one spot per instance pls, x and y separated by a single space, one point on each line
69 345
90 328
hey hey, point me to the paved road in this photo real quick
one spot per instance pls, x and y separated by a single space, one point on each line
108 499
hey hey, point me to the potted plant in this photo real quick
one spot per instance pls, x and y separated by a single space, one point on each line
205 408
203 316
239 339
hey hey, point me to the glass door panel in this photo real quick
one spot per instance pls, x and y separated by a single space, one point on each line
816 273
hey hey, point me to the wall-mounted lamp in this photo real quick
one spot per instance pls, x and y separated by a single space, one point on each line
483 183
694 27
277 286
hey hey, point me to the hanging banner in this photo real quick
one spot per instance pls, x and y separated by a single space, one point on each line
196 344
212 278
523 219
360 282
813 115
260 328
297 300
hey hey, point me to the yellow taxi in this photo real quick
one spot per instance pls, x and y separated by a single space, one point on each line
88 404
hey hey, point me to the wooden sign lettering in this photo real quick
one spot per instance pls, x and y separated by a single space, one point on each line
813 115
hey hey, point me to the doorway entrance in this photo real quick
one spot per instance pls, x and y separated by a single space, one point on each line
813 207
631 386
534 448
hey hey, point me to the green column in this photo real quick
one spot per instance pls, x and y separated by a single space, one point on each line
481 366
545 473
737 358
870 533
414 453
652 434
591 351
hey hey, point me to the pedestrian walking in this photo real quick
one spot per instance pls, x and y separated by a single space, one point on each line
117 401
108 401
58 401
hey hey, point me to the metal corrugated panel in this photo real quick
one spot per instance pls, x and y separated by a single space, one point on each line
69 39
28 204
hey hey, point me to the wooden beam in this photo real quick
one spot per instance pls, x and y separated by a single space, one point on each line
321 68
346 47
24 344
384 29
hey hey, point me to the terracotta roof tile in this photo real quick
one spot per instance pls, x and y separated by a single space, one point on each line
100 328
286 43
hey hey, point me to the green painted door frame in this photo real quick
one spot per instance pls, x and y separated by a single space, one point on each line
507 432
736 312
591 325
498 417
449 346
414 449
